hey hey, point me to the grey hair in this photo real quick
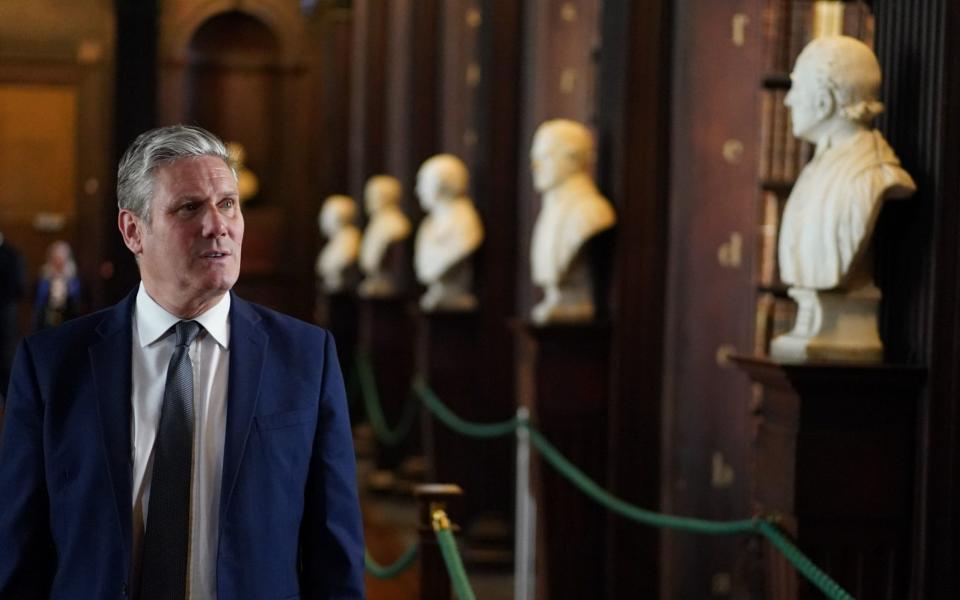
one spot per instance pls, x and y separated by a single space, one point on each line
156 148
850 70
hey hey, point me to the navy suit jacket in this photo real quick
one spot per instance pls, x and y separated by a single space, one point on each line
290 523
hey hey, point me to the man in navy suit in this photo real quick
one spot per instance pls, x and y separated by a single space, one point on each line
263 502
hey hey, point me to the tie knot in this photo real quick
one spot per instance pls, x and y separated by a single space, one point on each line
187 332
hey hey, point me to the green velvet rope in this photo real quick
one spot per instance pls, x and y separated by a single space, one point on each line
451 558
371 402
804 565
589 487
476 430
390 571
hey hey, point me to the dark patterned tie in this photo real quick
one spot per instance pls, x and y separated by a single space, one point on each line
166 541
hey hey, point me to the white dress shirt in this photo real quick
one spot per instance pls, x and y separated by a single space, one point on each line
153 345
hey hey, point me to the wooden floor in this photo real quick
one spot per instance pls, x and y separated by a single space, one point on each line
390 523
386 542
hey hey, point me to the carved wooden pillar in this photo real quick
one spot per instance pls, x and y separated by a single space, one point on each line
562 379
367 86
834 454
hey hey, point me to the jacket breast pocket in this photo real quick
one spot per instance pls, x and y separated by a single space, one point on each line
286 442
288 418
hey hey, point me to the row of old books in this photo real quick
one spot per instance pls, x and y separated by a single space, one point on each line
775 311
782 155
775 316
788 25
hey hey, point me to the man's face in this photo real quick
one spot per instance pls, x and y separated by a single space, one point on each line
427 188
809 101
550 164
189 254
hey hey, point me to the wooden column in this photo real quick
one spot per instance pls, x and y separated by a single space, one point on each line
386 334
367 87
633 166
710 297
918 261
411 92
562 380
451 362
834 453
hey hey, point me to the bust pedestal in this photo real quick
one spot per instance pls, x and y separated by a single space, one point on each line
832 326
337 312
562 379
450 357
833 454
385 332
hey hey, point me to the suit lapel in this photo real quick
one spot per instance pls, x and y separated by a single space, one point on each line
248 345
110 362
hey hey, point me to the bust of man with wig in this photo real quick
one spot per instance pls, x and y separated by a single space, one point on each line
573 211
387 228
448 236
824 245
337 262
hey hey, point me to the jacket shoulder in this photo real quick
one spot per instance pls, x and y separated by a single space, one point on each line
276 323
77 330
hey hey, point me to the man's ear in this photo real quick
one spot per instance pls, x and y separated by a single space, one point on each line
826 103
131 228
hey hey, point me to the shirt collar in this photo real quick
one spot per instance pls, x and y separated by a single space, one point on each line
153 321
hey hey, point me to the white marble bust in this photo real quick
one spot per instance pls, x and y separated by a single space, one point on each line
573 211
337 261
828 222
448 236
387 227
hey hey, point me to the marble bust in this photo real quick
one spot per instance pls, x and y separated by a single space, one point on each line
337 262
387 227
573 211
448 236
828 222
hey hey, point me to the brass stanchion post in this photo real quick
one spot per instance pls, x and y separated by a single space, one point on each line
434 581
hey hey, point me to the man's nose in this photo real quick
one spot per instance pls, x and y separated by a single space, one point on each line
214 223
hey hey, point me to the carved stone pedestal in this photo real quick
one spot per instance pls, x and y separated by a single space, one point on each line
832 327
449 355
833 453
563 381
385 332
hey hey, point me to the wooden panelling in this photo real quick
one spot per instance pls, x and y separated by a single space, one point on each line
243 73
918 261
367 92
834 449
332 44
38 136
136 112
56 73
562 371
713 203
411 94
633 162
